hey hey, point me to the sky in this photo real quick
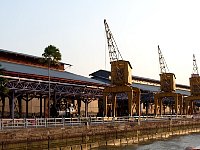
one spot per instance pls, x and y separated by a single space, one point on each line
76 27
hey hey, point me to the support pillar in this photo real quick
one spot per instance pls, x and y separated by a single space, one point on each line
10 107
164 109
79 106
13 105
172 106
105 99
138 110
86 108
161 106
41 105
45 107
176 104
3 105
147 107
191 107
113 105
19 98
180 99
130 103
186 107
27 105
156 104
55 99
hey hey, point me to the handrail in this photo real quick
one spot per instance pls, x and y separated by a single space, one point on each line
79 121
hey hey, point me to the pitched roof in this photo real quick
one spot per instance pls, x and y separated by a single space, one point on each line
32 70
17 53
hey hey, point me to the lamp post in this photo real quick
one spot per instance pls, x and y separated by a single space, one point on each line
51 53
49 92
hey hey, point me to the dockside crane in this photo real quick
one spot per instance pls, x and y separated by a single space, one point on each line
121 78
195 79
167 88
194 89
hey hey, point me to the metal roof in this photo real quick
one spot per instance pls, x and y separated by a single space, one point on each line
27 55
153 88
19 68
17 53
146 87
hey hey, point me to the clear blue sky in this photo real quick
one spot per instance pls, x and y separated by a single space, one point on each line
76 28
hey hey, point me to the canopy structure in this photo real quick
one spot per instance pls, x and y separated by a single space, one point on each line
27 81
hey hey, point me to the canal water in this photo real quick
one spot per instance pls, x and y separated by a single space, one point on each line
174 143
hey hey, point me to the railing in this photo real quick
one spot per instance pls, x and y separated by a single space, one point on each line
61 122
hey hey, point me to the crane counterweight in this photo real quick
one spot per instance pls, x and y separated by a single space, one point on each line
167 80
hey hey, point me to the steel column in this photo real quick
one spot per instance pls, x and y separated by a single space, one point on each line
137 99
161 106
40 105
19 98
3 105
113 105
79 106
27 105
191 107
10 106
105 99
44 107
130 103
86 108
47 101
13 105
176 104
156 104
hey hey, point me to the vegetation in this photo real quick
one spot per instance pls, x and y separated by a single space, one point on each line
52 54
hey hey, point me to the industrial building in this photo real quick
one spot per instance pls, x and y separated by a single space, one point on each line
27 81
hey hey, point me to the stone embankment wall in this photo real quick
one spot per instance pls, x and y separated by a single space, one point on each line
87 137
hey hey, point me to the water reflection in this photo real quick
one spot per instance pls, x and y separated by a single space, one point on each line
175 143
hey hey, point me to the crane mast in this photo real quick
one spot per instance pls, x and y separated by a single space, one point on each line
195 68
163 64
195 79
114 53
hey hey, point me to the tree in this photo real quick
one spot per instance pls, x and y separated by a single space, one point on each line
51 55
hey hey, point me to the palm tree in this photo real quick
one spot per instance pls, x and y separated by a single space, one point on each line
52 56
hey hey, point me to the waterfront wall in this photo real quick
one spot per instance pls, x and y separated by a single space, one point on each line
91 137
